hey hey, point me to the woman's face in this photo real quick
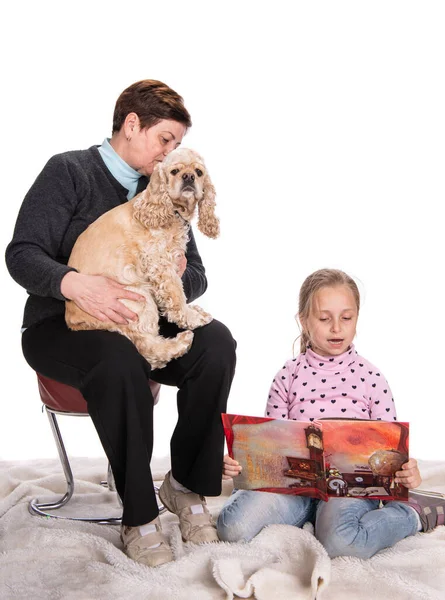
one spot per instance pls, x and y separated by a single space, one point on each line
150 146
332 320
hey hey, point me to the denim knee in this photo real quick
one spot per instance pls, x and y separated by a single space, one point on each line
247 512
232 526
229 532
336 543
340 530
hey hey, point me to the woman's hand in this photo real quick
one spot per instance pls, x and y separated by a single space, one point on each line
99 296
181 264
409 476
231 467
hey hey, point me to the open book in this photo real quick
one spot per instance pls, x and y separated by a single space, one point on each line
322 458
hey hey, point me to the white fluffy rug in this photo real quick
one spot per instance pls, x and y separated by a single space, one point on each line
45 558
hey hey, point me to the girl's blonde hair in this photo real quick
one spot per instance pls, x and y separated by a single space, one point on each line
321 279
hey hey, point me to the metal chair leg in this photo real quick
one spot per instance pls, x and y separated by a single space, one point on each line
161 507
41 508
110 479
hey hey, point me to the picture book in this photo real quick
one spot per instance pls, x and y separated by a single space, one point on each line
322 458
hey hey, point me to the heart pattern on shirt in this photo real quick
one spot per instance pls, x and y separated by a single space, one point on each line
365 388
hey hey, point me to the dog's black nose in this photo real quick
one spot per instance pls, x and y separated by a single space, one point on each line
188 177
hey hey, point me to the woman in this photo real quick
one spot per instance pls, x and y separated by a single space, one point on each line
73 190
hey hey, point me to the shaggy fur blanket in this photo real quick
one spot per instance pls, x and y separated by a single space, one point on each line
43 558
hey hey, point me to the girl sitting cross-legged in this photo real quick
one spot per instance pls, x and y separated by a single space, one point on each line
330 379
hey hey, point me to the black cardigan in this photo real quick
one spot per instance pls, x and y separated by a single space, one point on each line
71 192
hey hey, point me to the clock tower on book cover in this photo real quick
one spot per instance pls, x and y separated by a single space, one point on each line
314 441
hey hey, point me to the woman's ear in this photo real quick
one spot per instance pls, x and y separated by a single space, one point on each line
131 121
208 222
154 208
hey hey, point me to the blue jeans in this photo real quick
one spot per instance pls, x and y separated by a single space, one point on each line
345 526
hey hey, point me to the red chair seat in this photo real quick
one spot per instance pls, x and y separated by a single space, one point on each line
64 398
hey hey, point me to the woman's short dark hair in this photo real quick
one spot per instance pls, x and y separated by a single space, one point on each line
152 101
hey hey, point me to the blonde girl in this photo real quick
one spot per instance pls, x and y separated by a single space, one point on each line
330 379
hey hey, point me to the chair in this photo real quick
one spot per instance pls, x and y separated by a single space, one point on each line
61 399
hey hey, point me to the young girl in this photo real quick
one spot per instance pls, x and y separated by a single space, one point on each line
330 379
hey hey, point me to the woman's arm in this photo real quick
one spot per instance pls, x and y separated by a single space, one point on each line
100 296
32 256
41 224
194 278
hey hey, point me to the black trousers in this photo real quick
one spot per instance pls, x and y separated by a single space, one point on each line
113 378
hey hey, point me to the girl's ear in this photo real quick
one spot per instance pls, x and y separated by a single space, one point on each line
301 322
304 337
154 208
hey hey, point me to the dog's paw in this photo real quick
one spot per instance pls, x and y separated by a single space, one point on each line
184 339
197 317
156 364
202 312
170 348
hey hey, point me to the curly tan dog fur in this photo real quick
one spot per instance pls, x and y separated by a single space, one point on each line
138 244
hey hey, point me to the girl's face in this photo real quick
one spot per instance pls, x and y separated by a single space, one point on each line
332 320
150 146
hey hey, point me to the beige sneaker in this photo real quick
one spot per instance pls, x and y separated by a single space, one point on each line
195 527
137 545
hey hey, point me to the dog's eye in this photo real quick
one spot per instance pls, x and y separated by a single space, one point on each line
174 172
199 172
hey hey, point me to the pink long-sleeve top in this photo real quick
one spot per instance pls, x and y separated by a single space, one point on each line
313 387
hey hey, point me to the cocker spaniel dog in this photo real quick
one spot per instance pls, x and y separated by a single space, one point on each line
139 243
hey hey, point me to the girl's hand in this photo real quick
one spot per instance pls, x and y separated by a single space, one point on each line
231 467
410 475
99 296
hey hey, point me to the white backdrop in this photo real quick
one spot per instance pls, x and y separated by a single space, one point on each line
322 124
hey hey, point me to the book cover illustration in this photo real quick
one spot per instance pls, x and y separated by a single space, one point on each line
323 458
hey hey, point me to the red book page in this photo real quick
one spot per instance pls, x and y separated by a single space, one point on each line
326 458
275 456
362 456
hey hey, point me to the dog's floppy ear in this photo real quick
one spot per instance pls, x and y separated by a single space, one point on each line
208 222
154 208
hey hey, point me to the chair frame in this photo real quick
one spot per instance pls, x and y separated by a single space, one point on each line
41 508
